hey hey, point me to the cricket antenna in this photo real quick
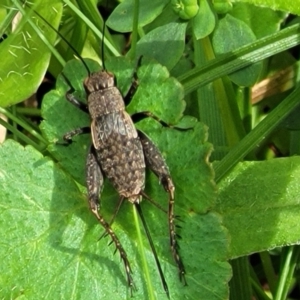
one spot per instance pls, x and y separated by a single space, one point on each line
102 42
66 41
161 274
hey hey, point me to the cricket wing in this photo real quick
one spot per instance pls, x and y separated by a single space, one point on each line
107 127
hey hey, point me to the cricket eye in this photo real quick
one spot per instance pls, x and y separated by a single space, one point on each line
110 79
88 86
91 85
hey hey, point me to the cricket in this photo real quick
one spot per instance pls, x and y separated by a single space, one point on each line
121 153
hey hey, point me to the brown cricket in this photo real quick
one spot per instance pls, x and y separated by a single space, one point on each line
121 153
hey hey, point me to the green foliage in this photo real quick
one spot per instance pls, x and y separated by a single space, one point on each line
237 34
265 208
230 209
122 18
26 56
155 42
205 21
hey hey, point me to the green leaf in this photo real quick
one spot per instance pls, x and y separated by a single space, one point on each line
237 34
285 5
26 55
262 20
50 247
266 215
122 17
155 43
166 103
204 22
186 153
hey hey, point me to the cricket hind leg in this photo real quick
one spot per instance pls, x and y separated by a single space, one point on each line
158 166
121 200
95 181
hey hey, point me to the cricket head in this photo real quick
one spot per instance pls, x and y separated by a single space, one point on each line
98 81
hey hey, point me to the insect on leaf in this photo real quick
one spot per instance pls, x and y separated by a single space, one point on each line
203 244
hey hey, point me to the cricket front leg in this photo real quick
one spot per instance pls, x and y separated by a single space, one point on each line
158 166
73 100
68 137
134 83
95 180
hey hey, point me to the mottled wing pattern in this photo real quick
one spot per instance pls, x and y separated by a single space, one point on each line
119 152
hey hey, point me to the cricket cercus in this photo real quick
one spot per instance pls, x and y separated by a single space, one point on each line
121 153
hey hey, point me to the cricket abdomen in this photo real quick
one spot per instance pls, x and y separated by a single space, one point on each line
120 153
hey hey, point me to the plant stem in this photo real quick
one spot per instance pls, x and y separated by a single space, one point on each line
23 124
287 272
22 136
249 142
240 287
269 270
142 253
